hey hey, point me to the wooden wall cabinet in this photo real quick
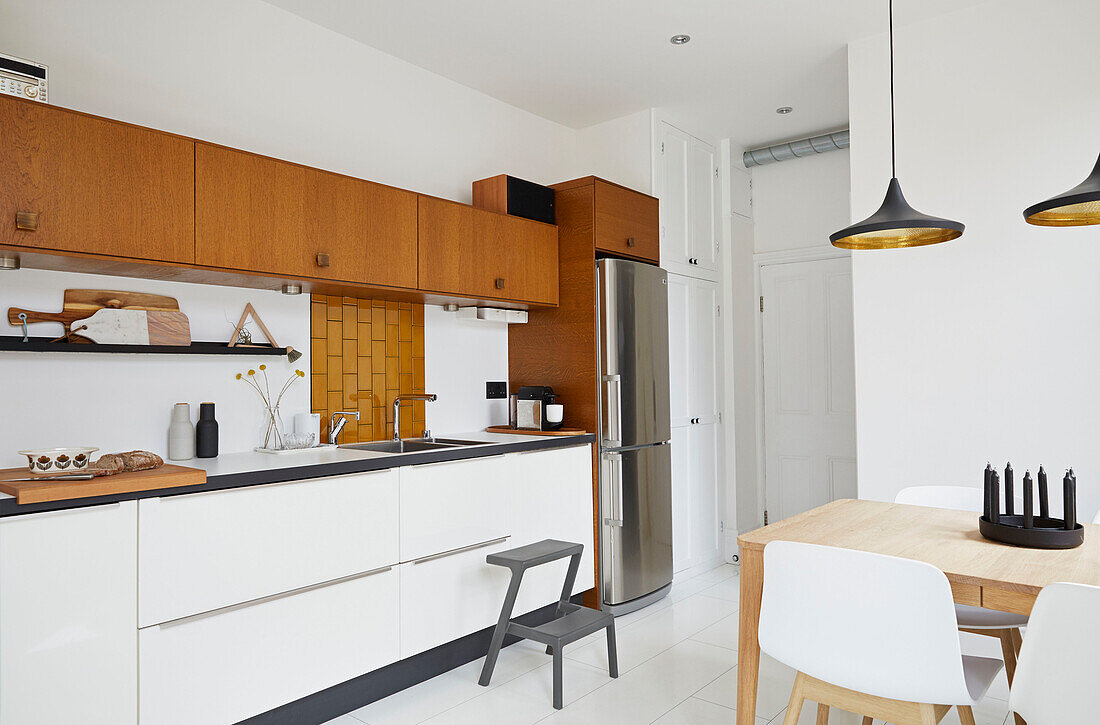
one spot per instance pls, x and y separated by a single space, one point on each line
624 221
261 214
478 253
85 184
79 193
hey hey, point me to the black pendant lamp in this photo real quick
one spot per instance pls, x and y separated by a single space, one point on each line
1078 207
896 225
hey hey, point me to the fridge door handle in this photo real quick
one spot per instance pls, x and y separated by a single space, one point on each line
614 424
615 489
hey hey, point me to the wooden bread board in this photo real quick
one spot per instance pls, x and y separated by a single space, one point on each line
167 476
520 431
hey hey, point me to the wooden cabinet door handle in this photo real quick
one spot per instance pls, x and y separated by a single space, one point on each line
630 241
499 282
322 259
26 220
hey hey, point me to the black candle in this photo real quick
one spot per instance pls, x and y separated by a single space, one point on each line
987 492
1069 500
1044 501
1010 501
995 498
1029 507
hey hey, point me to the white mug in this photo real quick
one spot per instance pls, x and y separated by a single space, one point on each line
555 412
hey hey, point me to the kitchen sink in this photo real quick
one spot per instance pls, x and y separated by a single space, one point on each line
411 445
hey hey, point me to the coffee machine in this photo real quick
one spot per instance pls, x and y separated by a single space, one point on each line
529 408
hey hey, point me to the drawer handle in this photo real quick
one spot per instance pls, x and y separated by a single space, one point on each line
499 282
630 241
322 260
273 597
26 220
461 550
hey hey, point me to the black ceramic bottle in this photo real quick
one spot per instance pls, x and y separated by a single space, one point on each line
206 432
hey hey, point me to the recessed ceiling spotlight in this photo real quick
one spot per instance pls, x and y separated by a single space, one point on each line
679 39
783 110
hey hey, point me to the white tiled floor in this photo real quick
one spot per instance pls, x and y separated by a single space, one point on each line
677 666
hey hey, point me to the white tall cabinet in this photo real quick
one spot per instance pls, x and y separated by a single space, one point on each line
687 184
693 374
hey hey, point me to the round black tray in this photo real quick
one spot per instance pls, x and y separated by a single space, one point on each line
1045 534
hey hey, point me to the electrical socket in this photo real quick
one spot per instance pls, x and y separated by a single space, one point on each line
496 390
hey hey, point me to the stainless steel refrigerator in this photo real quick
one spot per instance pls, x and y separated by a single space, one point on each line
635 428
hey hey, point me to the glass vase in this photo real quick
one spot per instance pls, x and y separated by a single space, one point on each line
273 439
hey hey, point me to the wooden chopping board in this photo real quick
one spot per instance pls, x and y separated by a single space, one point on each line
519 431
135 327
167 476
80 303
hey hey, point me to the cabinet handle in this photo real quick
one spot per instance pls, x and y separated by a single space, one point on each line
499 282
26 220
460 550
322 260
630 241
271 598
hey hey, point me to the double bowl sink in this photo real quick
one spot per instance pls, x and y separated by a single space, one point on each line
413 445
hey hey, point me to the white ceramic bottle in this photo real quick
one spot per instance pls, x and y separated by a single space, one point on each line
181 434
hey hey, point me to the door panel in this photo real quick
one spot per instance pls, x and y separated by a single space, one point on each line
809 385
703 387
637 492
468 251
680 373
260 214
702 193
98 186
634 357
703 439
673 192
626 222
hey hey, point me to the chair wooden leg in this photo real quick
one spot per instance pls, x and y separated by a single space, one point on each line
1008 650
794 707
822 714
966 715
928 715
868 720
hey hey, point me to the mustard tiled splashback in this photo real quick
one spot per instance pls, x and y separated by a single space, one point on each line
364 353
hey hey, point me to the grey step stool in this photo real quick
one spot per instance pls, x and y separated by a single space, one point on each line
572 621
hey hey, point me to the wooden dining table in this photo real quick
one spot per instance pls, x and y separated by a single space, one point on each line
982 573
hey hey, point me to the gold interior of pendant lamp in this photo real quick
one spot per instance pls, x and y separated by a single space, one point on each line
897 238
1071 215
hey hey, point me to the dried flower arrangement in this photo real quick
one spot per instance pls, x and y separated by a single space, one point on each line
271 404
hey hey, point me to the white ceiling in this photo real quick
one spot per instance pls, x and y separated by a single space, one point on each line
580 62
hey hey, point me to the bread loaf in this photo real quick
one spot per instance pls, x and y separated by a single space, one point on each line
112 463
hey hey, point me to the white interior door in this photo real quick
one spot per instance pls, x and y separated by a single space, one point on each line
672 192
809 385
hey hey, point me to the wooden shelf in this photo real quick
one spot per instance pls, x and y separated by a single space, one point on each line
14 343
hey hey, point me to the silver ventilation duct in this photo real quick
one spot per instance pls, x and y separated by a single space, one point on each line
794 149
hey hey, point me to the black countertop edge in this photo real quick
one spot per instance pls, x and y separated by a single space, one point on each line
8 506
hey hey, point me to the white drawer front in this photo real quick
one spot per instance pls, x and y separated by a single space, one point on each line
201 552
553 501
446 506
227 666
450 596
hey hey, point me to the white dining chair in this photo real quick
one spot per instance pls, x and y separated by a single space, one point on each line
1005 626
1096 518
867 633
1058 670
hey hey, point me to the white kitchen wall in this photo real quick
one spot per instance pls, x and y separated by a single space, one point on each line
797 204
121 402
247 74
463 356
983 348
619 150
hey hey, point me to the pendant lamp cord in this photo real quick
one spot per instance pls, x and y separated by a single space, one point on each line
893 133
